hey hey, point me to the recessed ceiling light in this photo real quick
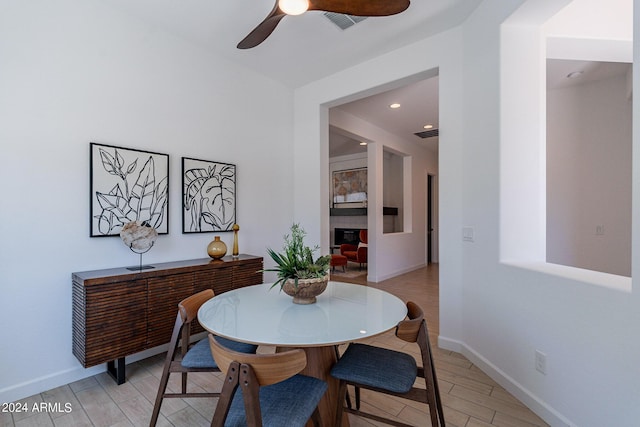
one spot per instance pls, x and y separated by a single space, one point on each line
575 74
363 143
394 105
428 126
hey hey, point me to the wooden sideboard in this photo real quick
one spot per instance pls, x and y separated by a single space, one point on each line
118 312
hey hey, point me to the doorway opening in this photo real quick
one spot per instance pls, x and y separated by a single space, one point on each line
432 214
394 144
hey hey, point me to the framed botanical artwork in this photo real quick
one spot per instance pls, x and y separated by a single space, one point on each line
127 185
208 196
350 186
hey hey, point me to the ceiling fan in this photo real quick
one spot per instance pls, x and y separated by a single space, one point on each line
297 7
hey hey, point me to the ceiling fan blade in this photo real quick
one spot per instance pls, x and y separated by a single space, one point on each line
360 7
347 7
263 30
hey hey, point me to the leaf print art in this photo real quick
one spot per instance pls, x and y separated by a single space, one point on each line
122 191
209 196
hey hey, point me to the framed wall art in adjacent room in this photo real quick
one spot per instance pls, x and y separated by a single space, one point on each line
349 186
127 185
209 196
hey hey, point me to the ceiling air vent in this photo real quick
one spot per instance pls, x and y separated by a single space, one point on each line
343 21
428 133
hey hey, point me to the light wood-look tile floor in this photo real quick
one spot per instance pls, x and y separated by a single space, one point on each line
470 398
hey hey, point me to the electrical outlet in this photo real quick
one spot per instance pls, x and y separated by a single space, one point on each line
541 362
599 230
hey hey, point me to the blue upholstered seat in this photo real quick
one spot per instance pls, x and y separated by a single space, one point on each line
199 356
288 403
391 372
376 367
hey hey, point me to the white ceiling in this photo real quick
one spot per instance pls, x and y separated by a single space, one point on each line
418 107
305 48
302 48
308 47
558 71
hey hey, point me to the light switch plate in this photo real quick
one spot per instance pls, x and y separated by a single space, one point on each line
467 234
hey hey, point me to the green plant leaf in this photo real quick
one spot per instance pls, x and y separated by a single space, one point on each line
296 260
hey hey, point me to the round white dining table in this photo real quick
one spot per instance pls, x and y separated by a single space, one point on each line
343 313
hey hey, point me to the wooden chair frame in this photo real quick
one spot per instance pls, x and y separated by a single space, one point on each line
412 330
252 371
187 312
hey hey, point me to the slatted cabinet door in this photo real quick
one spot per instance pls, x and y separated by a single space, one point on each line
248 274
220 280
115 321
165 293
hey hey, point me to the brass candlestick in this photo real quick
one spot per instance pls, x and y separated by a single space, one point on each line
235 252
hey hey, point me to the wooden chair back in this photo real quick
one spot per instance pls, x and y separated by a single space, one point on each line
180 337
415 330
268 368
187 312
189 306
409 329
250 372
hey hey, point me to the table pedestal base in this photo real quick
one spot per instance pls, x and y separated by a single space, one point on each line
320 360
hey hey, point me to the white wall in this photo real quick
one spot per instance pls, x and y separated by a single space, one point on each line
512 308
75 71
496 312
589 176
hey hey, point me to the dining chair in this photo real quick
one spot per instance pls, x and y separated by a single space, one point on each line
265 389
391 372
190 358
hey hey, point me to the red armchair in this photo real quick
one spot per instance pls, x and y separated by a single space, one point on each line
356 253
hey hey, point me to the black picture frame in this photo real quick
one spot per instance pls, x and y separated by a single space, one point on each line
208 196
127 185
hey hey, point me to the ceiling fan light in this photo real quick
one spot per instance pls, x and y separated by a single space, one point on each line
293 7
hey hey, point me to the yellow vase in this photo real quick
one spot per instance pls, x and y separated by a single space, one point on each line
236 251
217 248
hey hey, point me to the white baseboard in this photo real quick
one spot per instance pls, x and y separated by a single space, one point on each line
48 382
58 379
396 273
533 402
